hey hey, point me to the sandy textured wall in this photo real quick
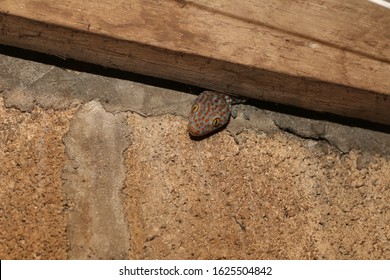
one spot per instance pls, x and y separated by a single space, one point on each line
96 167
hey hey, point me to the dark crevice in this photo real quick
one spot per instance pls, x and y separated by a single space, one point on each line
95 69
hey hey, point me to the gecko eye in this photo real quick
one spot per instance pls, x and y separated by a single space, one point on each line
195 108
217 122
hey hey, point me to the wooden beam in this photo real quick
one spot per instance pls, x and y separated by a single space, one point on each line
327 56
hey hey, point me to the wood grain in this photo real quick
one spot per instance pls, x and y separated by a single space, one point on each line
330 56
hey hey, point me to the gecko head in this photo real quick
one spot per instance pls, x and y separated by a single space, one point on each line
209 112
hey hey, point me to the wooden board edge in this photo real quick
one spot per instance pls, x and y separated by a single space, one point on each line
196 70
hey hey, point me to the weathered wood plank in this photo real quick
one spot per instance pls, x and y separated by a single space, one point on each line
321 55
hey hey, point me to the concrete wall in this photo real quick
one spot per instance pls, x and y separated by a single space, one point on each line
99 167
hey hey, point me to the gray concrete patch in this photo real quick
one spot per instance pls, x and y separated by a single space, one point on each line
93 180
343 137
57 88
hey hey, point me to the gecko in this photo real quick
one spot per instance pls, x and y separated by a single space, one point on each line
210 111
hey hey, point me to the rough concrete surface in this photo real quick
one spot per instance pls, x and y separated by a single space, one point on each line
33 207
95 166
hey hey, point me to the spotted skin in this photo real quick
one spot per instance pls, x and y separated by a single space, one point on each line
210 111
